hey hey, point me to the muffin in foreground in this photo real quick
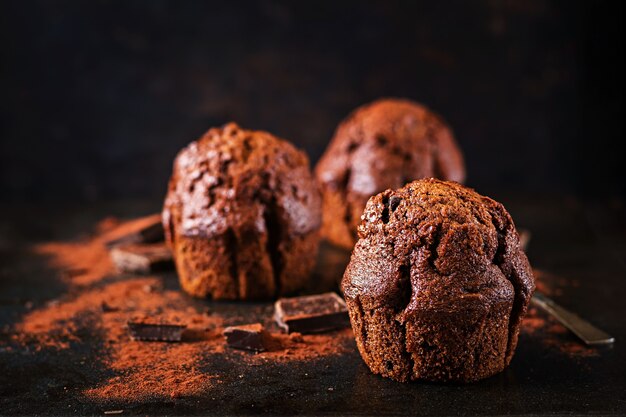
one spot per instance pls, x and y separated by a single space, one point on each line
381 145
437 284
242 215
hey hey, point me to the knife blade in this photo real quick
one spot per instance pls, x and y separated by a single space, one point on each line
586 331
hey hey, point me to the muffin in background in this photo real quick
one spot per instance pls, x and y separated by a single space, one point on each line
437 284
381 145
242 215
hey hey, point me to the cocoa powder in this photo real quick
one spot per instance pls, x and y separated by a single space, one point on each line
100 301
553 335
545 328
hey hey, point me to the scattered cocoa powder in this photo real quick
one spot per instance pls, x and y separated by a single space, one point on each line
99 302
552 284
553 335
533 323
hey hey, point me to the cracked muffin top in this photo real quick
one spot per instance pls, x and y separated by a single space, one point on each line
230 177
437 245
387 143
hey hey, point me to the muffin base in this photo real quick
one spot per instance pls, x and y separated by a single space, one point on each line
246 267
433 345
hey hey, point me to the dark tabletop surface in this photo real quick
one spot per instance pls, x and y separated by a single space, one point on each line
582 246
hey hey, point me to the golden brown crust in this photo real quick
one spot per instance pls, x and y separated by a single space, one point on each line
242 215
437 284
381 145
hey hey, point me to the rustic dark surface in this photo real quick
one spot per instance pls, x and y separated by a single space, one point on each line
99 96
582 243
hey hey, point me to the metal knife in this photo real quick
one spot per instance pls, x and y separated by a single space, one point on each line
589 334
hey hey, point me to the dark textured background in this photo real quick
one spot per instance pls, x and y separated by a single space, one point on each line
98 96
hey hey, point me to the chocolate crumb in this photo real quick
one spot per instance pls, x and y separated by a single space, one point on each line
150 288
296 337
107 308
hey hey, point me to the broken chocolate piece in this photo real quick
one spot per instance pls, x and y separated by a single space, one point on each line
142 259
247 336
155 332
147 229
311 314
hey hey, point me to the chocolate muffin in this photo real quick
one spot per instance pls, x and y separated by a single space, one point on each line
242 215
437 284
381 145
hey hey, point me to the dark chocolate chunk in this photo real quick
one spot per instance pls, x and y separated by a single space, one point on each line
248 337
147 229
155 332
311 314
143 259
